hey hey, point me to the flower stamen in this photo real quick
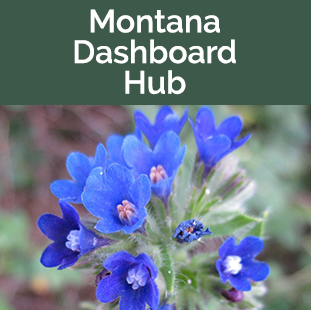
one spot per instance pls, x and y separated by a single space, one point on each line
138 276
127 213
73 242
189 230
157 174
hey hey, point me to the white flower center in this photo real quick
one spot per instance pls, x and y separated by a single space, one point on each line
232 264
138 276
73 242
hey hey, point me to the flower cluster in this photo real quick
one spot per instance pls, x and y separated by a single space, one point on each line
119 187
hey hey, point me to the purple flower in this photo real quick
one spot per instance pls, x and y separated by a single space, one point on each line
79 166
117 199
237 263
214 144
188 231
160 164
232 295
115 150
132 279
71 238
166 120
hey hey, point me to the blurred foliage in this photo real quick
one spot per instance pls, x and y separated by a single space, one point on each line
277 157
4 305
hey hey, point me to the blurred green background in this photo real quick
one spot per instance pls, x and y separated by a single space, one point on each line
34 143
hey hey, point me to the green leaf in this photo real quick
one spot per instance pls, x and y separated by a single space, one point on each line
182 187
157 211
200 170
235 189
167 269
231 180
227 228
257 230
206 207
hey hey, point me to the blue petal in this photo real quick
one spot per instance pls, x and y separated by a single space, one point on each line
182 121
132 299
163 188
223 277
179 158
227 248
142 216
141 191
240 282
249 247
145 259
114 146
95 179
54 254
79 167
214 149
151 294
205 122
53 227
67 190
108 225
70 215
236 144
198 139
101 203
69 261
146 127
166 120
138 134
162 114
89 241
230 127
111 287
138 156
170 123
119 180
100 159
119 261
165 150
255 270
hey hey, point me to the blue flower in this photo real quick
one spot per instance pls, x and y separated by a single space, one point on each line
117 199
237 263
166 120
189 231
115 150
79 166
214 144
160 165
132 279
71 238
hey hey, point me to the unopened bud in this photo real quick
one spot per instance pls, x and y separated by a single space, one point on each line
103 274
232 295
